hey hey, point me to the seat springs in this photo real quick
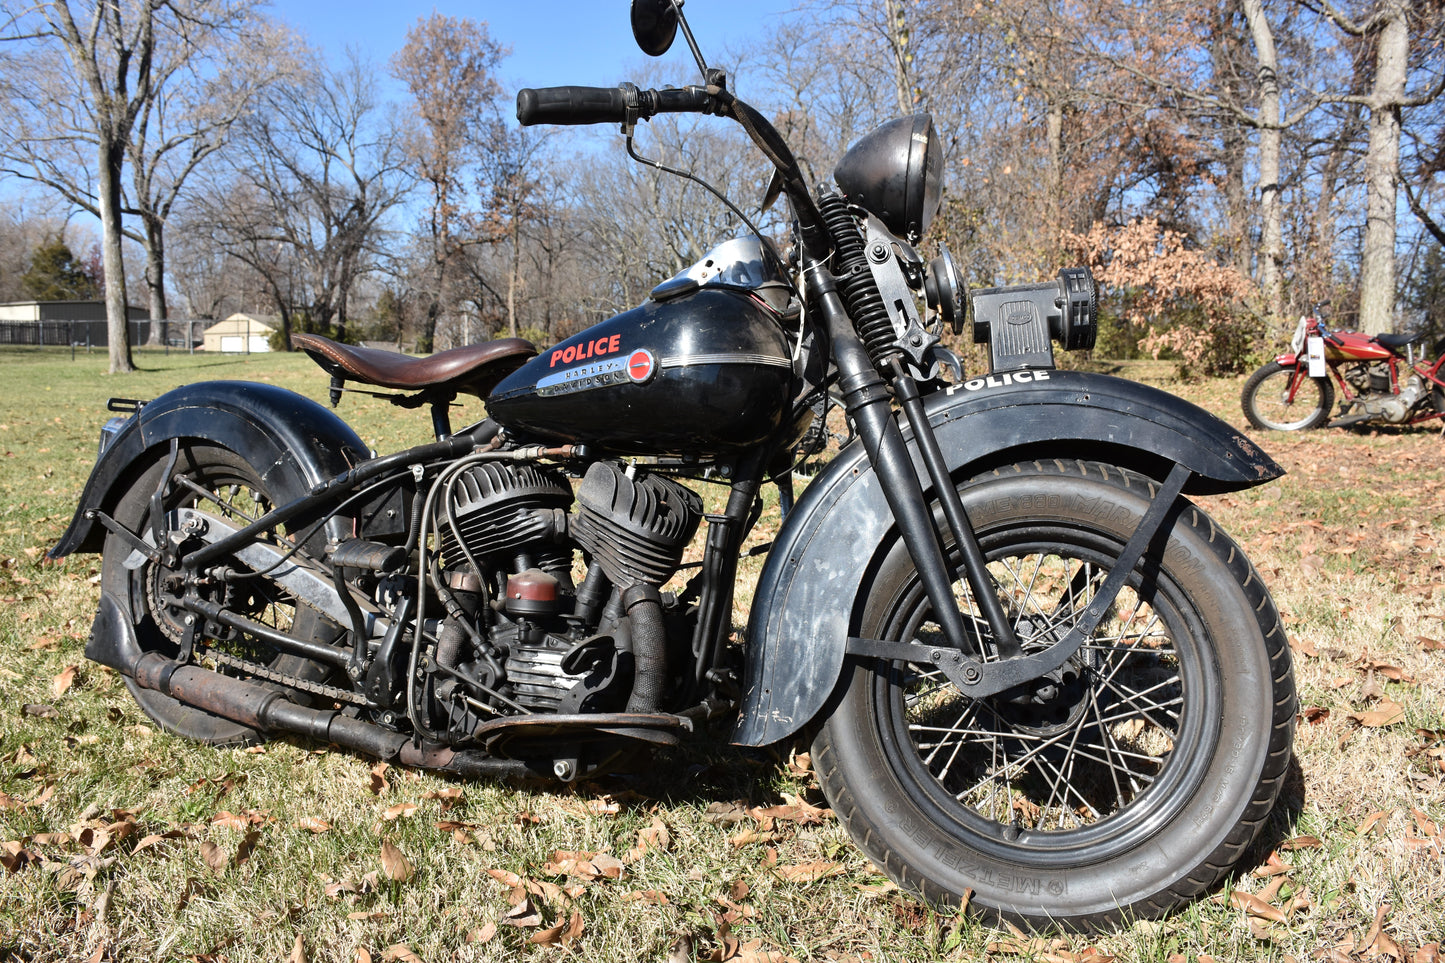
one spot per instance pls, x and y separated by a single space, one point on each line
855 280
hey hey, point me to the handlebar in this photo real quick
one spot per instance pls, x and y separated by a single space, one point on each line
626 104
602 105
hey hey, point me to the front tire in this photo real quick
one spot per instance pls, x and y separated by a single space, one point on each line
1122 784
1269 406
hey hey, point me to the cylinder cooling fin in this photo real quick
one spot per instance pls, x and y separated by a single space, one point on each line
495 509
635 528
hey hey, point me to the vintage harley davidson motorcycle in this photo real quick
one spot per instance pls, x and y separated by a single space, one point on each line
1383 379
1027 665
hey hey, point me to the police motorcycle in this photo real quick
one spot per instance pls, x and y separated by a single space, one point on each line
1034 676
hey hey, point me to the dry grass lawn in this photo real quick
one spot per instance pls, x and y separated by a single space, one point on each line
119 842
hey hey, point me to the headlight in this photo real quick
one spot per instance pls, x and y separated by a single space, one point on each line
896 172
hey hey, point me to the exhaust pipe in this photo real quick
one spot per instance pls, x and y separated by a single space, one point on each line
268 709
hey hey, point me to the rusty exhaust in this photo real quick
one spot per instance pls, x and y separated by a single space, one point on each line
269 709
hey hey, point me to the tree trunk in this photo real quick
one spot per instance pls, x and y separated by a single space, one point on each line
116 315
1316 269
1271 260
902 59
1382 159
156 280
512 277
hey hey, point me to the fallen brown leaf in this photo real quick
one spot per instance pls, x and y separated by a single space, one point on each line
1388 713
681 950
214 857
651 897
523 915
725 813
1424 824
1304 647
1255 906
797 811
505 877
1301 842
395 864
1372 822
808 872
63 681
1377 941
482 934
749 836
564 932
608 865
298 951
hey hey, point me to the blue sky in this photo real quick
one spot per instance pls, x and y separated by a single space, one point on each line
552 41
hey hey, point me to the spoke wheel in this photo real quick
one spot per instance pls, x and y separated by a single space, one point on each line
219 483
1268 403
1121 783
1055 763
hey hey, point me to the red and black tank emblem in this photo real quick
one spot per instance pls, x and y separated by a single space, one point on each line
641 366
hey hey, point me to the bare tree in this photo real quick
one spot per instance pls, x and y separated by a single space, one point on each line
1389 26
447 65
90 76
201 93
315 170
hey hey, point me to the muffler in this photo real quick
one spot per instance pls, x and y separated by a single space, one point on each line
269 709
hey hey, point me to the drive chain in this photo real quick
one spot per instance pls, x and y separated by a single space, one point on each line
321 689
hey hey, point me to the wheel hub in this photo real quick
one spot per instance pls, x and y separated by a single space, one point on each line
1054 702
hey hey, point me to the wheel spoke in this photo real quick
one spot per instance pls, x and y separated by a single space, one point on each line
1118 711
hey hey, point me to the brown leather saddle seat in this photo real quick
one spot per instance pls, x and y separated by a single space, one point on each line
473 369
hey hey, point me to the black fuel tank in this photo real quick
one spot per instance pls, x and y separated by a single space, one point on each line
706 374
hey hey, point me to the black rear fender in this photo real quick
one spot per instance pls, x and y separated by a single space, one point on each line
293 442
802 612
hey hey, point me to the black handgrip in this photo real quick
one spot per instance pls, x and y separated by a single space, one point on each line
571 105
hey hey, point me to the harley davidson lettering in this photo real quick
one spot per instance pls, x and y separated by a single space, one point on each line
1001 380
595 348
598 374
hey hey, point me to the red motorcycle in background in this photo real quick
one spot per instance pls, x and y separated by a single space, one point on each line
1382 378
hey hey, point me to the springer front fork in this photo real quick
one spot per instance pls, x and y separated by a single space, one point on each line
867 400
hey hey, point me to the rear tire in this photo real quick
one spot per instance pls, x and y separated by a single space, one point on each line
1129 781
1267 405
160 627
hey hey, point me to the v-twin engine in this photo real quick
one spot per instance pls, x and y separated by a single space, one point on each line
550 645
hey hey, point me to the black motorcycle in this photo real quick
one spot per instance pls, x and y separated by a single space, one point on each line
1028 666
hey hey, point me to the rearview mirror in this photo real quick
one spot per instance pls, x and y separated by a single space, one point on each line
654 25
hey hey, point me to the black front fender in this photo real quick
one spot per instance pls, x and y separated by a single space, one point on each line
801 613
293 443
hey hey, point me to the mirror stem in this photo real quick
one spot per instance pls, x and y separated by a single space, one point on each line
691 43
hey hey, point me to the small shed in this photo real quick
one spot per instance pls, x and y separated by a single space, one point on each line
241 333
